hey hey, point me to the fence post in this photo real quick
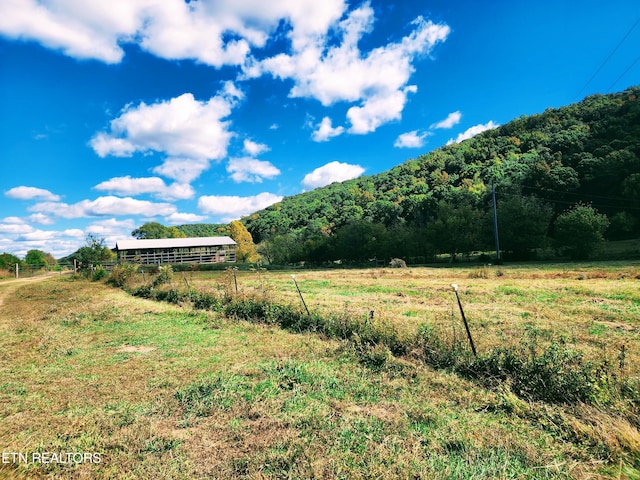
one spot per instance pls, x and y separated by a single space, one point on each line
464 319
293 277
17 270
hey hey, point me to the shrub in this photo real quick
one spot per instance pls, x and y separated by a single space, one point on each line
165 275
204 301
121 274
99 273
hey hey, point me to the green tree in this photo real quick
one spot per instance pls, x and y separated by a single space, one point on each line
94 252
580 231
457 230
151 230
246 249
8 261
523 223
38 258
361 240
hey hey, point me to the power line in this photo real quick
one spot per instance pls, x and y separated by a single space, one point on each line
577 194
609 57
623 74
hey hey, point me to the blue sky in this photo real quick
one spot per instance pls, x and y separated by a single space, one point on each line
122 112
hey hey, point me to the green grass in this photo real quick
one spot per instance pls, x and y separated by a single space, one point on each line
163 391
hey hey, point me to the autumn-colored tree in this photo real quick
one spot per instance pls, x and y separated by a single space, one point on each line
246 249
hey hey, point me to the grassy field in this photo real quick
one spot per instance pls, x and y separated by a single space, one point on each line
593 306
155 390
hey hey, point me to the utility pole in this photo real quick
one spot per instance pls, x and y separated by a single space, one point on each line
495 220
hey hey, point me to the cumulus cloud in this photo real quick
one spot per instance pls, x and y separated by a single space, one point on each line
180 127
128 186
40 218
331 172
331 71
472 131
183 170
413 139
182 218
378 110
254 149
231 207
213 32
452 119
251 170
325 131
79 29
111 227
15 228
31 193
104 206
323 58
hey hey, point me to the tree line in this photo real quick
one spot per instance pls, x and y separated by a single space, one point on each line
567 178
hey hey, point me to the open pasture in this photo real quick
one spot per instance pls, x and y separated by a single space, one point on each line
153 390
594 307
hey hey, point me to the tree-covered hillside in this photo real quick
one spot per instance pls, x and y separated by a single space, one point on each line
580 161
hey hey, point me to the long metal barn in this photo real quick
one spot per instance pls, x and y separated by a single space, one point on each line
177 250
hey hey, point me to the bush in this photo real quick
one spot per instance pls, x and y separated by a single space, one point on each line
165 275
121 274
204 301
99 273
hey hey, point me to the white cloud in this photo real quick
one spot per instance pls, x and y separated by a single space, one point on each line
472 131
110 227
254 149
378 110
413 139
57 242
182 218
18 237
31 193
324 59
325 131
180 127
16 220
104 206
331 172
331 72
183 170
79 29
15 228
40 218
213 32
152 185
452 119
111 230
233 207
251 170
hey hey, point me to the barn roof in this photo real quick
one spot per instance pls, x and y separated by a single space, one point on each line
173 243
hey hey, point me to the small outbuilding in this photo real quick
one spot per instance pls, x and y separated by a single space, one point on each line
177 250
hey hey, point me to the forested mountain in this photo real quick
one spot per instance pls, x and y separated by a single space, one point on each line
580 162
